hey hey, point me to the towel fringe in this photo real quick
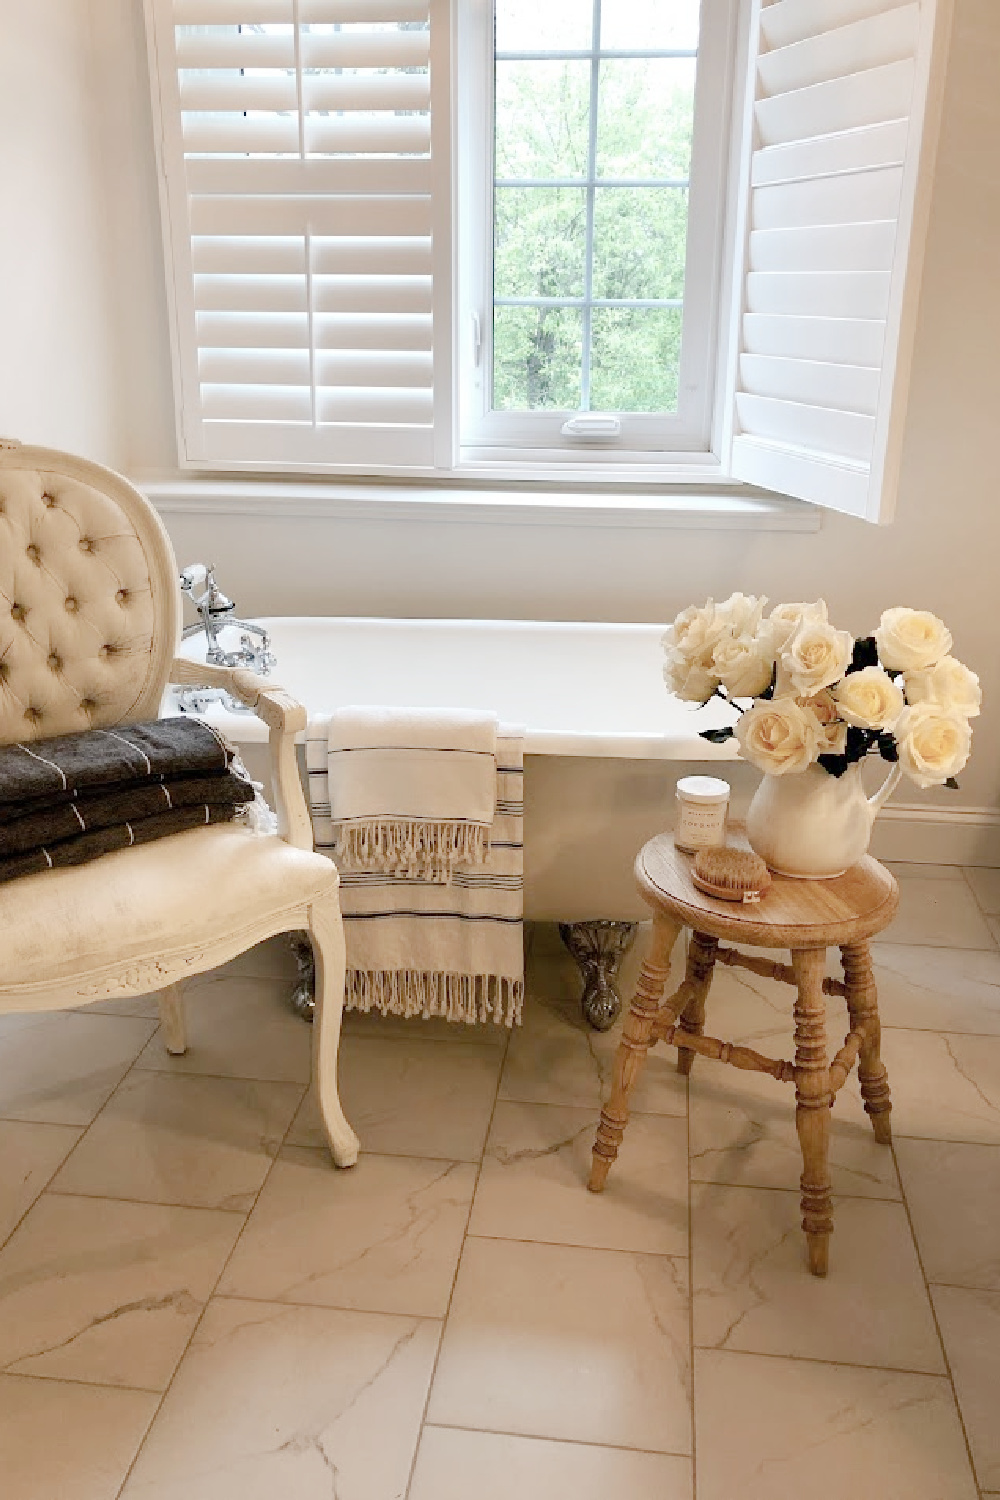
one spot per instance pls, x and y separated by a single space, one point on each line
411 847
457 997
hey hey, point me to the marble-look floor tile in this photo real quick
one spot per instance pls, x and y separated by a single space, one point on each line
985 885
61 1066
301 1402
970 1327
271 959
938 913
410 1097
29 1154
779 1429
743 1131
560 1342
146 1006
753 1290
107 1292
382 1237
944 1086
454 1464
556 1058
63 1441
953 1193
533 1185
238 1027
937 989
171 1138
994 925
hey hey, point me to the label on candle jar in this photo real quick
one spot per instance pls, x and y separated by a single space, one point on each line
701 814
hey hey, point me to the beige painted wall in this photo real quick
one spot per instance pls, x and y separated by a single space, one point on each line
84 363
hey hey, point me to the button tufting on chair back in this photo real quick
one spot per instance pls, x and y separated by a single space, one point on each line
89 602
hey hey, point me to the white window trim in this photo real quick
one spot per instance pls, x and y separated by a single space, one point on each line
533 439
771 437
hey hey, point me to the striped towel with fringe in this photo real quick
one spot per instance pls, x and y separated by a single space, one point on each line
420 947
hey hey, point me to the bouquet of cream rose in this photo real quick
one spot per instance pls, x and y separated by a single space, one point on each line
822 696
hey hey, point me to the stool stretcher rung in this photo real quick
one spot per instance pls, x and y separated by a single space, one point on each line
769 968
845 1059
730 1052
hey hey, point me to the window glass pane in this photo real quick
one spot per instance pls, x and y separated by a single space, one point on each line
645 117
539 244
539 25
542 113
635 358
640 240
645 24
537 358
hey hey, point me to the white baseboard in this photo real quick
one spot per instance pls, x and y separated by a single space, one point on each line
938 835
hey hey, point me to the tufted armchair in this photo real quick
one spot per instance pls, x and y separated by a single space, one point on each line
90 616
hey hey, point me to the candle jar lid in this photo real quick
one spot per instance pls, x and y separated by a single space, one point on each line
703 789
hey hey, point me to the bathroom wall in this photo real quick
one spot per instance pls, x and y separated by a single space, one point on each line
84 363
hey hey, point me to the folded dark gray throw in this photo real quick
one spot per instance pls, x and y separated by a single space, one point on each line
59 769
68 800
88 846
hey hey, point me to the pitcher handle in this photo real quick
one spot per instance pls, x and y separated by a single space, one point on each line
878 799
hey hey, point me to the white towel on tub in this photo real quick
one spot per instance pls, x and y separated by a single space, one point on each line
412 791
420 947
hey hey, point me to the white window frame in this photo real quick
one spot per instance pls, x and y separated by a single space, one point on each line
836 117
534 438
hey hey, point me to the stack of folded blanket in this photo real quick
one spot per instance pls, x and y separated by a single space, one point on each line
67 800
422 811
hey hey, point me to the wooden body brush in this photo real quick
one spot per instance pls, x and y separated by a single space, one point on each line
731 874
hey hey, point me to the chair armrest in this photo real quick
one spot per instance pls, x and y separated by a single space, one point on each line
284 717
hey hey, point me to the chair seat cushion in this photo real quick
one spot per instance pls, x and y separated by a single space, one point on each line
155 901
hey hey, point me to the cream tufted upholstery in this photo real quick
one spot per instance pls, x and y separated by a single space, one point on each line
81 600
90 614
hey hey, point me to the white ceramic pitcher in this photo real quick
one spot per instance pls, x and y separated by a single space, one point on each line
813 825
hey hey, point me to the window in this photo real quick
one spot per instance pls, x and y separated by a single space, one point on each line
354 290
591 270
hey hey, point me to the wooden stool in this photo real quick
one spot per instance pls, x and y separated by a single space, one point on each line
805 917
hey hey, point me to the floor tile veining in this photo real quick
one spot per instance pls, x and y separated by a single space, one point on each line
194 1303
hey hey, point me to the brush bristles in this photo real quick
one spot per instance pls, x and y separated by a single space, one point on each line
731 874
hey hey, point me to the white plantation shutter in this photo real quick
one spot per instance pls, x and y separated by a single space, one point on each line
843 101
305 156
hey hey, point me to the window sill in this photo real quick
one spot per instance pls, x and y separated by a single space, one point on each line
695 509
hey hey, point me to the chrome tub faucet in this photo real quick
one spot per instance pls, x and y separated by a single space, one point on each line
217 612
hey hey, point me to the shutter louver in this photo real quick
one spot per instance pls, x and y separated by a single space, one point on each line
304 146
844 98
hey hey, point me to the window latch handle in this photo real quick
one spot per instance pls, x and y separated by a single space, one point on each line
592 427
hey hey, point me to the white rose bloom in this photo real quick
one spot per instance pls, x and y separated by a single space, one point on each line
833 730
785 619
911 640
740 667
779 736
816 657
695 632
688 679
934 743
742 613
950 684
869 699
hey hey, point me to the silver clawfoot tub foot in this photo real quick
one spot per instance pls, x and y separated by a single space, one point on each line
599 948
303 997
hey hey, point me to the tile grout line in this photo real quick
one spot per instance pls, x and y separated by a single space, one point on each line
222 1271
85 1131
454 1280
937 1326
533 1437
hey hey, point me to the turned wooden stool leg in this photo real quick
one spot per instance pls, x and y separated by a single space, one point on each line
862 1004
633 1047
812 1104
700 963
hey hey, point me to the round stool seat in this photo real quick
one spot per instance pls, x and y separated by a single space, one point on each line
792 914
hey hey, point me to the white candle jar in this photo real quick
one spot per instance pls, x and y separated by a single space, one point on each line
702 807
